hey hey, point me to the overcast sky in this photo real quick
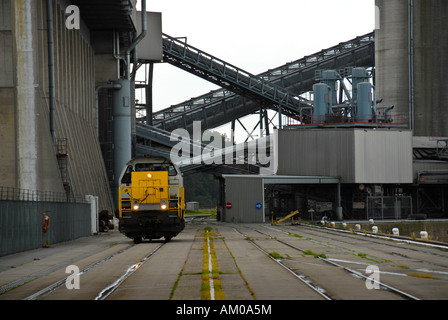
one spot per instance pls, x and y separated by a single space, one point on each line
254 35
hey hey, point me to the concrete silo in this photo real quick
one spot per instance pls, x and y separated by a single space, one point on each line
411 50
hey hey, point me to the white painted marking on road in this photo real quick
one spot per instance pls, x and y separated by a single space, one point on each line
210 269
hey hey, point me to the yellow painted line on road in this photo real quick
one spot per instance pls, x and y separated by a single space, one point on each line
211 284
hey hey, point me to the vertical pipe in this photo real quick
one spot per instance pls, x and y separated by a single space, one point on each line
338 202
149 94
280 117
50 65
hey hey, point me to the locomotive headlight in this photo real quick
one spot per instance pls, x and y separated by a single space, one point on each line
149 175
163 204
136 205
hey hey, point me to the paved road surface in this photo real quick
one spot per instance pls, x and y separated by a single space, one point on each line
213 260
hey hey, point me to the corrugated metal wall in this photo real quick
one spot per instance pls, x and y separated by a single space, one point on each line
21 224
244 193
383 156
75 106
355 155
316 152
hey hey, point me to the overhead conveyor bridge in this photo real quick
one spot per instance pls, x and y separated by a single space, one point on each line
242 93
226 75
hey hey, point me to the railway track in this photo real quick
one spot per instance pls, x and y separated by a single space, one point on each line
98 274
106 292
110 281
50 288
295 273
411 277
212 260
316 287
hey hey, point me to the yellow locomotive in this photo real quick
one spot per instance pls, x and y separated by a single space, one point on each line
151 199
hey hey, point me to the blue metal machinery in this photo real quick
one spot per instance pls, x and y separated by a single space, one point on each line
347 98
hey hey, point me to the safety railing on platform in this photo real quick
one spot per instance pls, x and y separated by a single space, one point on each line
380 119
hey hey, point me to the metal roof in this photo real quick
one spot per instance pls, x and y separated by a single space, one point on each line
282 179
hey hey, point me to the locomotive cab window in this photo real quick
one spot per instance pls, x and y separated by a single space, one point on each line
127 175
156 167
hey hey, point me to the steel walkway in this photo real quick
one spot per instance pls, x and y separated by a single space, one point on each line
234 100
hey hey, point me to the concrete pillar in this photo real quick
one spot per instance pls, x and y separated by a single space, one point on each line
25 94
122 127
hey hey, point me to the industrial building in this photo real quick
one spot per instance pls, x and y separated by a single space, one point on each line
386 147
372 141
66 83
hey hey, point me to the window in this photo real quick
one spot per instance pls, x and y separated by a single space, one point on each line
127 176
156 167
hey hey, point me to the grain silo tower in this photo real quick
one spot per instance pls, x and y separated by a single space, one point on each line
411 57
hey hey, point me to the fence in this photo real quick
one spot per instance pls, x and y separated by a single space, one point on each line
21 219
9 193
389 207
